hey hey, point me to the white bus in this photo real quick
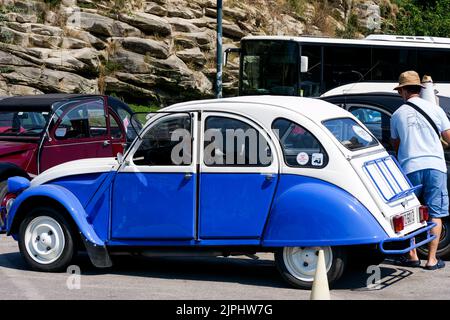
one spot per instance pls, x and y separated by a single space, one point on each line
307 66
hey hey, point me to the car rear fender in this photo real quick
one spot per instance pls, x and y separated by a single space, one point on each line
312 212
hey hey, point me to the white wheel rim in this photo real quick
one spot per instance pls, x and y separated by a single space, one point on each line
301 262
44 240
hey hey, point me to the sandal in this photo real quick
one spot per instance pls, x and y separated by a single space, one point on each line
439 265
405 262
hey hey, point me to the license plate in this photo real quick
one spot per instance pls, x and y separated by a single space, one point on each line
409 217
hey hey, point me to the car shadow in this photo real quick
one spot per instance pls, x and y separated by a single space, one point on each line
245 271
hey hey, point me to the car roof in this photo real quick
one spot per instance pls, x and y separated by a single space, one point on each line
315 109
40 102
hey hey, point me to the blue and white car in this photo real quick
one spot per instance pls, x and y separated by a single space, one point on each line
243 175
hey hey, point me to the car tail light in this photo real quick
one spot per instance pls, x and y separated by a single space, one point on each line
423 214
399 223
5 206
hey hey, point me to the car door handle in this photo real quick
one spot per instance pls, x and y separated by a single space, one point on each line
269 176
106 143
188 175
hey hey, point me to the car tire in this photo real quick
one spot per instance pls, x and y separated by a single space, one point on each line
46 240
297 265
443 250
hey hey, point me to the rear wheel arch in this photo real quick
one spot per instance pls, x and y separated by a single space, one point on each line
8 170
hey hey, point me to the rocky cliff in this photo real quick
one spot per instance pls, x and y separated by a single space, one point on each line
160 51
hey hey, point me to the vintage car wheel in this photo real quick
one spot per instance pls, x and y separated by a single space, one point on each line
297 265
46 241
443 250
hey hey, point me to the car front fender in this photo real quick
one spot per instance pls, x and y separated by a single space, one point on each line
312 212
61 195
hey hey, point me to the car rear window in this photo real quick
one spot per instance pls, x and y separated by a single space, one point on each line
350 134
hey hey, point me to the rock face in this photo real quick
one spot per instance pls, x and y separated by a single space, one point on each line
161 50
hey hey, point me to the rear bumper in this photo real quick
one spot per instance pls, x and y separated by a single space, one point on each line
409 242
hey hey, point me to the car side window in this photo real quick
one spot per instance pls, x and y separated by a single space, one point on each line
376 121
231 142
87 120
167 143
116 130
300 148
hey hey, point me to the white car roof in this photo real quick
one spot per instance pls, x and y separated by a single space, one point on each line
314 109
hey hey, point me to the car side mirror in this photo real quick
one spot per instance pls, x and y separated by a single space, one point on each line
60 132
304 61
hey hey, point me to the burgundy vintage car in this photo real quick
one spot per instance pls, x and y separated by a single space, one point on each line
42 131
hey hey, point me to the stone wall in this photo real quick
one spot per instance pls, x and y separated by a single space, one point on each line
161 51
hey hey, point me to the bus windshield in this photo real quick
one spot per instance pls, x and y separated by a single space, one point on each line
270 67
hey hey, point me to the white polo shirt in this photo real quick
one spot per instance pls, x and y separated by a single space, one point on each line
420 147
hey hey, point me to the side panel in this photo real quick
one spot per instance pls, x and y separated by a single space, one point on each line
312 212
153 206
234 205
65 198
82 186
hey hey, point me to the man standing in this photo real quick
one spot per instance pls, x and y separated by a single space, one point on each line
417 142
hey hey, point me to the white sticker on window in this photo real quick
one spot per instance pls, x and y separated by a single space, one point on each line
302 158
362 133
317 159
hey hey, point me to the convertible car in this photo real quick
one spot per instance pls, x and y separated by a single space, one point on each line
224 177
39 132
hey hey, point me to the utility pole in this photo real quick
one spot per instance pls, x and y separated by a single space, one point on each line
219 50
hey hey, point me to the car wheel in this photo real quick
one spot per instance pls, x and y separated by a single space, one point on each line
3 189
297 265
46 241
443 250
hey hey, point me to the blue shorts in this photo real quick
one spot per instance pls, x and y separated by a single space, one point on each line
434 192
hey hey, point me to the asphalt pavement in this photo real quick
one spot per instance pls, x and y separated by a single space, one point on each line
205 278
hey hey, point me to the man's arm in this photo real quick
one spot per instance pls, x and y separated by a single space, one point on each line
446 136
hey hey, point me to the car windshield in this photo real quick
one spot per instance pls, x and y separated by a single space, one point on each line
18 123
350 133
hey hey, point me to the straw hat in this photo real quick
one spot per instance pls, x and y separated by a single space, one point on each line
409 78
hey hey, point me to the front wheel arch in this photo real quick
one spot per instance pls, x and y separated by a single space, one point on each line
40 201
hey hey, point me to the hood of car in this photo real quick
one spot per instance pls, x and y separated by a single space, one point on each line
77 167
8 148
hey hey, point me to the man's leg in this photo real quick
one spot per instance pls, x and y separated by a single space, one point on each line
433 245
416 179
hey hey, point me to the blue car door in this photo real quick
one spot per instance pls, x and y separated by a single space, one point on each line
154 192
238 177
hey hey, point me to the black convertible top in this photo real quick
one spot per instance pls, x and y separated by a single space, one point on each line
40 102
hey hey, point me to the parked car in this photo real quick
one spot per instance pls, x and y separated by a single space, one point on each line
243 175
375 109
42 131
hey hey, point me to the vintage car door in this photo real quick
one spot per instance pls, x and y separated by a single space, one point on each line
238 177
154 191
78 130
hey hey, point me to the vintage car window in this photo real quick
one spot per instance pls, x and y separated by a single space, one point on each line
300 147
167 143
231 142
87 120
376 121
116 131
350 133
22 123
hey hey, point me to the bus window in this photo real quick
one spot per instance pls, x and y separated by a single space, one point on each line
270 67
435 63
344 65
389 63
310 81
